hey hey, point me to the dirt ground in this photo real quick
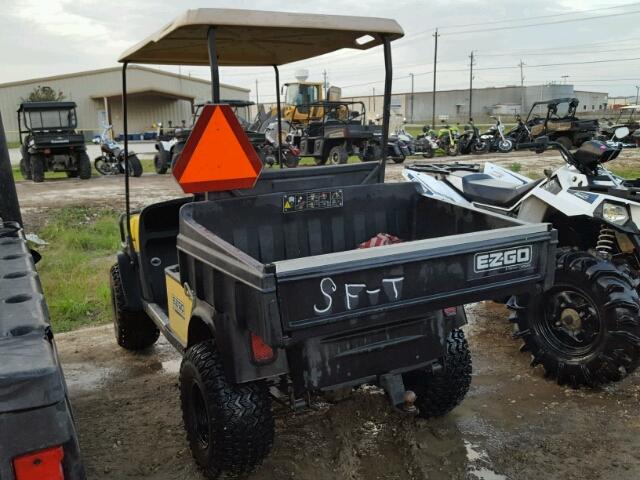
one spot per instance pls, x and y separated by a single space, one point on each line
514 424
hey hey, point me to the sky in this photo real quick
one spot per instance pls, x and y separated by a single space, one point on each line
49 37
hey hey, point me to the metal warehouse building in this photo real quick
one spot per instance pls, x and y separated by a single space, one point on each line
154 96
453 105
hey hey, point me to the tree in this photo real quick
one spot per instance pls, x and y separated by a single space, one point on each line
43 93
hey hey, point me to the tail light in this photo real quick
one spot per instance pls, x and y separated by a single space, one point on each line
42 465
47 151
450 311
261 352
295 151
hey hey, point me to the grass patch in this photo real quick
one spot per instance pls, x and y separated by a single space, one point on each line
626 172
74 269
515 167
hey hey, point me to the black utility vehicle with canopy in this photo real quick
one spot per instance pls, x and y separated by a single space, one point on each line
339 133
560 123
49 141
270 291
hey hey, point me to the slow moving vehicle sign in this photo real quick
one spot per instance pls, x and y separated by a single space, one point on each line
218 155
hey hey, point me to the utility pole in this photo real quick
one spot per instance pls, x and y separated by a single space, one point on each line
521 65
411 74
471 86
564 78
326 91
637 92
257 97
374 100
435 63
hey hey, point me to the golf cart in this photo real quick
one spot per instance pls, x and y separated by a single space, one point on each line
626 118
170 144
560 123
337 134
267 283
49 141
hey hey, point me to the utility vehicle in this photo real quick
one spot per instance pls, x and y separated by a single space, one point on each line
340 132
584 330
37 434
627 117
171 141
560 123
267 291
49 141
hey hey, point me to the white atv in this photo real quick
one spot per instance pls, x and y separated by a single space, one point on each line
585 330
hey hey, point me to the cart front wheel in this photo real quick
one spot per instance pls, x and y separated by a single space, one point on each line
229 426
338 155
37 168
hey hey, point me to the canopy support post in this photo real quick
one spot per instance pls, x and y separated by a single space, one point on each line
213 63
125 128
279 108
386 108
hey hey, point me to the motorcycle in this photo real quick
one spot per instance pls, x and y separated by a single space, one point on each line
496 139
520 133
584 329
447 139
471 141
426 143
111 162
290 155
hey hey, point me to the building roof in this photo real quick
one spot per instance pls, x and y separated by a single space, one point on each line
87 73
258 38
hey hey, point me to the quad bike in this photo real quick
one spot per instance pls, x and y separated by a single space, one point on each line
496 138
111 162
585 329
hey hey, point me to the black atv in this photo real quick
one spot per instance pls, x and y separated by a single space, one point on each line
49 141
560 123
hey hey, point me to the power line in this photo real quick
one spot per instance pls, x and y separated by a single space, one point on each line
577 12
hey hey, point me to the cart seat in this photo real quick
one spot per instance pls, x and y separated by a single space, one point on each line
483 188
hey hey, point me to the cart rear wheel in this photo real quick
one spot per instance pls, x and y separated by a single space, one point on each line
320 161
337 155
25 171
229 426
84 166
160 163
585 329
37 168
440 392
135 167
134 330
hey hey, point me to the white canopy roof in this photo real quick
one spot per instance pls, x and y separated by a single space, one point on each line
257 38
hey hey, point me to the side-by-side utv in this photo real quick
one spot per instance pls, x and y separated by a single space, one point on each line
560 123
49 141
279 289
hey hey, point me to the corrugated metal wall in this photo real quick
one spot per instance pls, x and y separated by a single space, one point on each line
87 89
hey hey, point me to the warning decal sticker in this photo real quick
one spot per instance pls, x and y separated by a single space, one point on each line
298 202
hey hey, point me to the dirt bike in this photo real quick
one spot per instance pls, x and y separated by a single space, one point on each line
584 330
111 162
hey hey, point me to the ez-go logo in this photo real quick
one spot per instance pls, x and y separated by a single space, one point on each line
509 257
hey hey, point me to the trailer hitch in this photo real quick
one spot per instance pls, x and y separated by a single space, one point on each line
402 400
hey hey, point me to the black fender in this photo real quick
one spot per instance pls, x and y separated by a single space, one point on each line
233 341
130 282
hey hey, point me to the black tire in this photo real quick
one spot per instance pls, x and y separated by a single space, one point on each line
175 154
452 150
440 392
372 153
428 152
84 166
585 330
505 146
37 168
291 160
229 426
480 147
160 163
566 142
133 330
337 155
25 171
135 167
101 166
320 161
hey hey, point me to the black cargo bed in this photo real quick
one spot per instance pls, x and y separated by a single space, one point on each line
448 255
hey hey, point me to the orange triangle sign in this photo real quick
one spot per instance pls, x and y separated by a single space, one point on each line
218 154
